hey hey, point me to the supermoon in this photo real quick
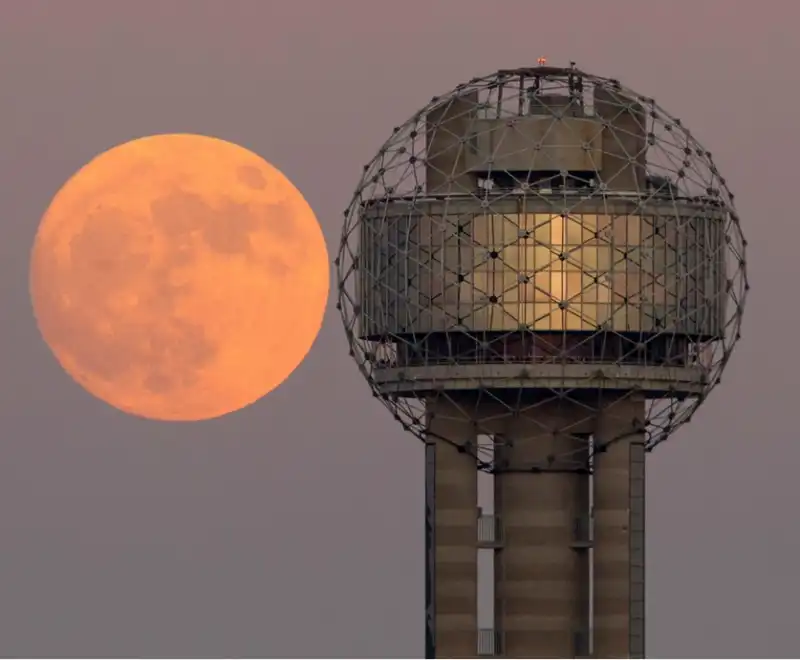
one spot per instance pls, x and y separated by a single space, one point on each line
179 277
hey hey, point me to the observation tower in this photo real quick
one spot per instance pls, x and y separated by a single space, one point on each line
541 275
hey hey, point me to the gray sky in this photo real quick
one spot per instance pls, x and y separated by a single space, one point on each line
295 527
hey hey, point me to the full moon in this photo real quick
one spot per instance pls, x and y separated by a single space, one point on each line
179 277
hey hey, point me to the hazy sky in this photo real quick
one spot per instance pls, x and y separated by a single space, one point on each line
295 527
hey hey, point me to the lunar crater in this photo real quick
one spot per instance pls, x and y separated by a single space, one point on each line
111 245
251 177
225 228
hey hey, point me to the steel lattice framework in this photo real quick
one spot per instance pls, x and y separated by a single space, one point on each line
541 235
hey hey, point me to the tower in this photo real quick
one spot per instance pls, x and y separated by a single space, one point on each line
541 275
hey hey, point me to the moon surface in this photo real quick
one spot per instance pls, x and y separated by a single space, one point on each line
179 277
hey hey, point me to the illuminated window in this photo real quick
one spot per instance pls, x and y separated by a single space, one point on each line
576 232
626 229
543 229
604 228
528 258
497 230
592 258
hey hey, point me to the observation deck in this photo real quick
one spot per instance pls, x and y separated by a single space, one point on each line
622 281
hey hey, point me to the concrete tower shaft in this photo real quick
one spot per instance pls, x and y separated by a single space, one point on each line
540 533
541 275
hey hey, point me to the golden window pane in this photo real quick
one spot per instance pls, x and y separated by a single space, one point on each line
626 229
592 258
542 258
456 292
510 286
589 290
573 320
527 291
542 316
495 230
634 229
657 293
549 285
594 315
589 221
464 293
557 231
604 227
573 284
558 320
481 229
507 228
576 233
487 283
542 230
528 221
619 229
643 257
528 258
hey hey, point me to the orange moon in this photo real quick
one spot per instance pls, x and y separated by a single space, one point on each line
179 277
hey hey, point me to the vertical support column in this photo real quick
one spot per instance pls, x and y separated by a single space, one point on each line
582 546
454 573
637 548
500 457
619 480
430 548
539 601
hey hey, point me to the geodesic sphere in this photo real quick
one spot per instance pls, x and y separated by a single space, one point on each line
536 236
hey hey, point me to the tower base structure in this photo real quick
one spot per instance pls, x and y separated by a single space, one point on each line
567 531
